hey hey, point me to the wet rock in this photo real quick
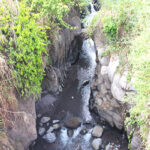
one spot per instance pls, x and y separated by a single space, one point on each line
39 116
41 131
47 124
56 126
70 133
51 129
109 147
50 137
41 124
55 121
73 123
79 147
97 131
86 82
83 131
96 143
45 119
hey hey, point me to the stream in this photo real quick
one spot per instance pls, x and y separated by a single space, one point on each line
73 101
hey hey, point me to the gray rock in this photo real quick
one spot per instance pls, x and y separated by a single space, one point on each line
97 131
47 124
45 119
112 68
116 89
39 116
73 123
56 126
70 133
55 121
41 131
51 129
104 61
96 143
41 124
50 137
135 142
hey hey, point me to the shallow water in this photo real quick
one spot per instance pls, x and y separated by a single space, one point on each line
74 101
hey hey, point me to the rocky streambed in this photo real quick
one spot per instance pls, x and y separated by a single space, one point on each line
69 124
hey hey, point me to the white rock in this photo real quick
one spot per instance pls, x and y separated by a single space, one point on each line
97 131
116 89
96 143
41 131
112 67
50 137
45 119
55 121
99 101
104 61
100 52
104 70
56 126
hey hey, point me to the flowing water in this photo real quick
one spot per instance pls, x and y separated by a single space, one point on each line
74 101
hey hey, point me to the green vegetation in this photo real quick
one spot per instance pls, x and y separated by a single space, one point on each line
24 40
126 25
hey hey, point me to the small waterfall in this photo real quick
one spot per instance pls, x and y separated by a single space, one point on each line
86 73
89 17
92 8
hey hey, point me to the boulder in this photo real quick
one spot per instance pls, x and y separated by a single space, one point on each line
73 123
96 143
97 131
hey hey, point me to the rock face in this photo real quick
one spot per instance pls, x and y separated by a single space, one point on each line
24 129
72 123
109 86
63 52
97 131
